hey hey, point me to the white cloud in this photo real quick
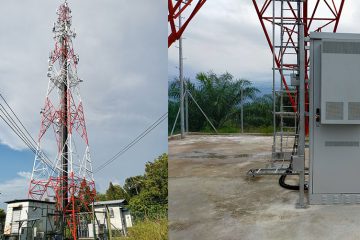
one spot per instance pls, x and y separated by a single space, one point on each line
15 188
26 175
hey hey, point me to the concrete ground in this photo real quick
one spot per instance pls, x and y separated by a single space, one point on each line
210 196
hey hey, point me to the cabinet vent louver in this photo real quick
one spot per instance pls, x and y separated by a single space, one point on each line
354 111
341 144
334 110
341 47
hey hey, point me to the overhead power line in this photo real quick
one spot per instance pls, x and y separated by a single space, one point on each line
13 121
133 142
17 118
7 118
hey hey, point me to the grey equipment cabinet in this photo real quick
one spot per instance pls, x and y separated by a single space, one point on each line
334 118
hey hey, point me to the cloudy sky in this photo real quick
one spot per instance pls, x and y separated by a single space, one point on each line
226 36
123 61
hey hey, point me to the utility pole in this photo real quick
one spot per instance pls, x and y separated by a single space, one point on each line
181 78
301 147
273 79
46 220
186 109
242 110
108 222
93 219
299 160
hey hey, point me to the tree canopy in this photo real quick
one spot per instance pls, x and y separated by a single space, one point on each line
220 96
154 194
115 192
2 217
146 194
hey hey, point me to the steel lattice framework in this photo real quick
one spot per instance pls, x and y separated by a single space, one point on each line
175 11
67 176
316 16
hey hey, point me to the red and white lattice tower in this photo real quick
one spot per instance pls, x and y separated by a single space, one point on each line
315 15
67 175
175 10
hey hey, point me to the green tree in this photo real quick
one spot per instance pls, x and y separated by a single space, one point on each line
258 113
156 178
101 197
134 185
116 192
146 194
218 95
2 214
2 218
153 198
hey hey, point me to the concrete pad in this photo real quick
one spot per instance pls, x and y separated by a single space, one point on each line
210 196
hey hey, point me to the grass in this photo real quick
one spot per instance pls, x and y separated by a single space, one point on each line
266 130
148 230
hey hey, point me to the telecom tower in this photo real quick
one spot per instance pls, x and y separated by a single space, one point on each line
66 176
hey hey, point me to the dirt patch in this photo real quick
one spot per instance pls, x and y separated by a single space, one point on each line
179 226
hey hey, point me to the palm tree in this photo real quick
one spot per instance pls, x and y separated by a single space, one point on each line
219 97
